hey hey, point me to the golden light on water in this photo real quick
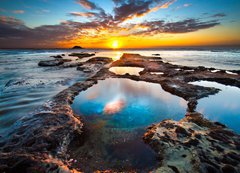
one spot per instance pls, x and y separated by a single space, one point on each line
117 56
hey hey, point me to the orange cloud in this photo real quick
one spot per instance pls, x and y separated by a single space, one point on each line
88 14
114 107
18 11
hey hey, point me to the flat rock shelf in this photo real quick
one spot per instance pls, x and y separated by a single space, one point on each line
145 122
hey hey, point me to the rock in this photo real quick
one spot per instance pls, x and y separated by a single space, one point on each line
77 47
50 63
192 104
156 54
57 57
82 55
192 137
94 64
194 144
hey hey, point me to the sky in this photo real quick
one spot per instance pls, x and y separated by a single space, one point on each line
118 23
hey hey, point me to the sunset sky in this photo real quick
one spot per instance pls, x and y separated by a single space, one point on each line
118 23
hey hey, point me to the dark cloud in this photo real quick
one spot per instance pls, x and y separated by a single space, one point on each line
128 9
14 33
219 15
185 26
131 9
89 5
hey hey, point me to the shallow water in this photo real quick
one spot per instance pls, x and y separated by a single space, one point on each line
24 86
117 111
223 107
222 59
124 70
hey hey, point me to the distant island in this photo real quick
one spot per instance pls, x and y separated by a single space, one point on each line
77 47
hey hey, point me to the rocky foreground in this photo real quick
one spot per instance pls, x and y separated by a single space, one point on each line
194 144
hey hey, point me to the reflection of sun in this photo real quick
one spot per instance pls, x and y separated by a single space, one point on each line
117 56
115 44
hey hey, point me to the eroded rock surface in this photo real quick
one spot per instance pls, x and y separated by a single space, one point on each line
55 62
194 144
94 64
82 55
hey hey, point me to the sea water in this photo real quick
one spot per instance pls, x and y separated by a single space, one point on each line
24 86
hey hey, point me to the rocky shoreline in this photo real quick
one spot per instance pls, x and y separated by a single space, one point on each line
40 143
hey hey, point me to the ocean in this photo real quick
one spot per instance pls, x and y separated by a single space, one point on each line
24 86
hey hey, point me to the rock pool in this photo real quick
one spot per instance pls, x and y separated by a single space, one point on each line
223 107
124 70
116 113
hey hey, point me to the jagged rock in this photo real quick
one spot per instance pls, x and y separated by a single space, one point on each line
50 63
82 55
192 145
57 57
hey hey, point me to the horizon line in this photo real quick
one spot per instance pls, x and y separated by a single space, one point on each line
140 48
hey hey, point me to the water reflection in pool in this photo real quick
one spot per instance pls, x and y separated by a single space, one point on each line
125 103
223 107
117 111
124 70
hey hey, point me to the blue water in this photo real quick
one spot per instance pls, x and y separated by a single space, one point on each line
125 103
223 107
24 86
117 112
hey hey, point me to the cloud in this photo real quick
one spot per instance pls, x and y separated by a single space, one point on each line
128 9
219 15
18 11
14 33
114 107
102 26
131 9
81 14
2 10
167 4
185 26
89 5
187 5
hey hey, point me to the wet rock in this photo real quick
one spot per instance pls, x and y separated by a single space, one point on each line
172 140
50 63
82 55
94 64
194 144
192 104
156 54
41 142
228 169
57 57
13 82
200 68
181 131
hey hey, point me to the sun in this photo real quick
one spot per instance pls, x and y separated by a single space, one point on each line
115 44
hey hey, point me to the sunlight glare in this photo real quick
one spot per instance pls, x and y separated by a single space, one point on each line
115 44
